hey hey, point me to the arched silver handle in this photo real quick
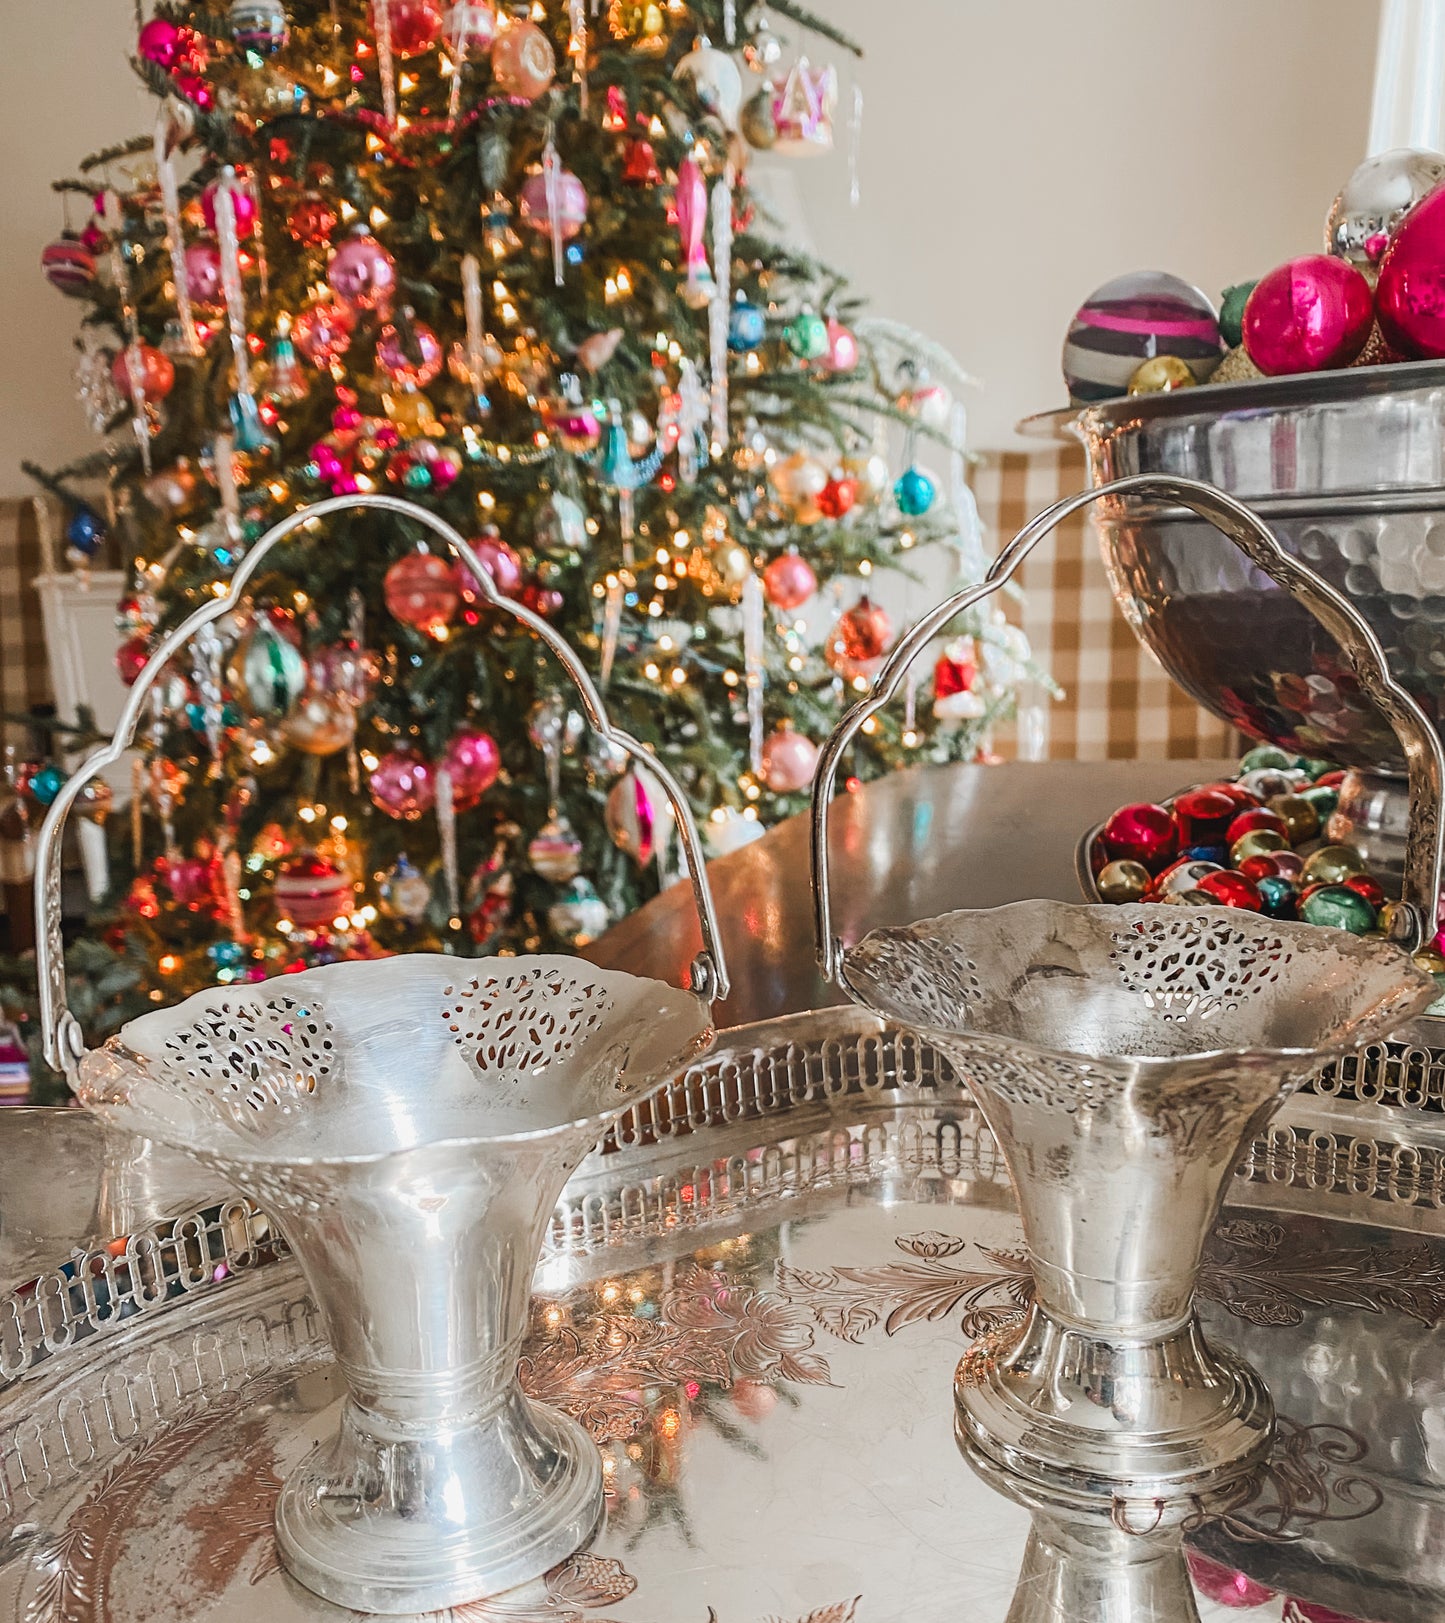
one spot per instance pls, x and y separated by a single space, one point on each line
64 1044
1361 649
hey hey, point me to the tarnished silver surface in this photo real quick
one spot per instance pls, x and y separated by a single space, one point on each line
1348 470
792 1259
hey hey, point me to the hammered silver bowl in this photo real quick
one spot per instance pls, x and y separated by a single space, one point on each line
1348 471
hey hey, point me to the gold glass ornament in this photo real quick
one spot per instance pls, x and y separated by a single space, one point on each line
321 724
1161 373
1332 865
1301 819
1256 843
1122 881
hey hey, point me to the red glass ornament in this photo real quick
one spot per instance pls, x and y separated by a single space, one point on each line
1410 294
1203 816
402 784
156 374
421 591
501 563
312 221
789 581
1231 889
1370 888
1143 832
1252 818
131 657
543 600
310 891
1242 797
639 165
473 762
243 205
862 634
952 676
1333 779
415 25
1225 1586
1309 315
323 331
837 497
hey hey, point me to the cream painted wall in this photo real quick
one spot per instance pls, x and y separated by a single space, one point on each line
1016 153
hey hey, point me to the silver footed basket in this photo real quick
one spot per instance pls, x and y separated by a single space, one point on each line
409 1124
1124 1057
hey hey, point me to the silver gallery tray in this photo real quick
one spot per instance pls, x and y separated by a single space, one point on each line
754 1299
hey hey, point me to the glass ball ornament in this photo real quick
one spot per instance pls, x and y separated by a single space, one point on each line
715 80
321 724
869 472
259 26
1410 293
798 479
131 657
1332 865
469 28
747 325
1266 755
409 361
637 814
347 669
535 208
758 120
421 591
163 42
1339 908
85 533
155 373
1299 819
1123 881
361 273
837 497
322 332
188 879
842 354
68 265
415 26
541 599
1133 318
789 760
554 851
1144 832
1308 315
266 671
789 581
404 891
1203 816
311 891
243 206
45 784
914 492
859 639
930 403
473 762
499 560
807 335
312 221
1376 198
579 915
523 61
227 954
1228 888
402 784
1255 842
574 423
203 274
1161 375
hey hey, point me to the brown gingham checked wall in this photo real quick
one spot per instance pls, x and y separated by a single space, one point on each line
24 673
1118 703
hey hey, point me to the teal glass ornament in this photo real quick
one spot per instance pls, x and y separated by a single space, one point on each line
1314 767
226 954
417 477
914 492
807 335
1338 908
248 431
1276 896
1324 797
747 325
47 783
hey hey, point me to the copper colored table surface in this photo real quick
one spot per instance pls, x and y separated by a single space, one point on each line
907 847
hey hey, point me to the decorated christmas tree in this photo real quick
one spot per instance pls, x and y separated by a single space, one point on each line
505 263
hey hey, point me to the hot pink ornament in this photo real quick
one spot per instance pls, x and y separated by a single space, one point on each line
1308 315
1410 294
362 273
501 563
690 205
412 368
1143 832
571 203
789 760
322 332
188 878
473 760
242 203
1224 1585
162 42
203 273
842 347
789 581
402 784
195 89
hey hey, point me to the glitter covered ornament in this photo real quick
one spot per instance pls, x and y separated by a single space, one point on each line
789 581
789 760
523 61
1134 318
312 891
361 273
1308 315
421 591
402 784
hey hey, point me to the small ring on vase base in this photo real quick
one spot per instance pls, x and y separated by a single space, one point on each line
465 1514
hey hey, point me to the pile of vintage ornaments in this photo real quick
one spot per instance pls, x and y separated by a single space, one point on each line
1376 295
1261 842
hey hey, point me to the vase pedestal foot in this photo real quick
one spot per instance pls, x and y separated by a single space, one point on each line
402 1518
1145 1431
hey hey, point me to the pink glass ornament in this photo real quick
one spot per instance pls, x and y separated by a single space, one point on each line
523 61
203 273
322 332
575 425
413 368
1308 315
842 353
242 203
162 42
310 891
1203 817
473 760
571 203
188 879
789 581
1230 888
421 591
501 563
195 89
1410 294
470 27
1224 1585
361 273
690 205
403 785
789 760
1143 832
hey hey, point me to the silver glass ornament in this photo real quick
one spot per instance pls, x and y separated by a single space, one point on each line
1376 197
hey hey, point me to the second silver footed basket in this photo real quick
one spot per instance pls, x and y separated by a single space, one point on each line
1124 1057
409 1124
